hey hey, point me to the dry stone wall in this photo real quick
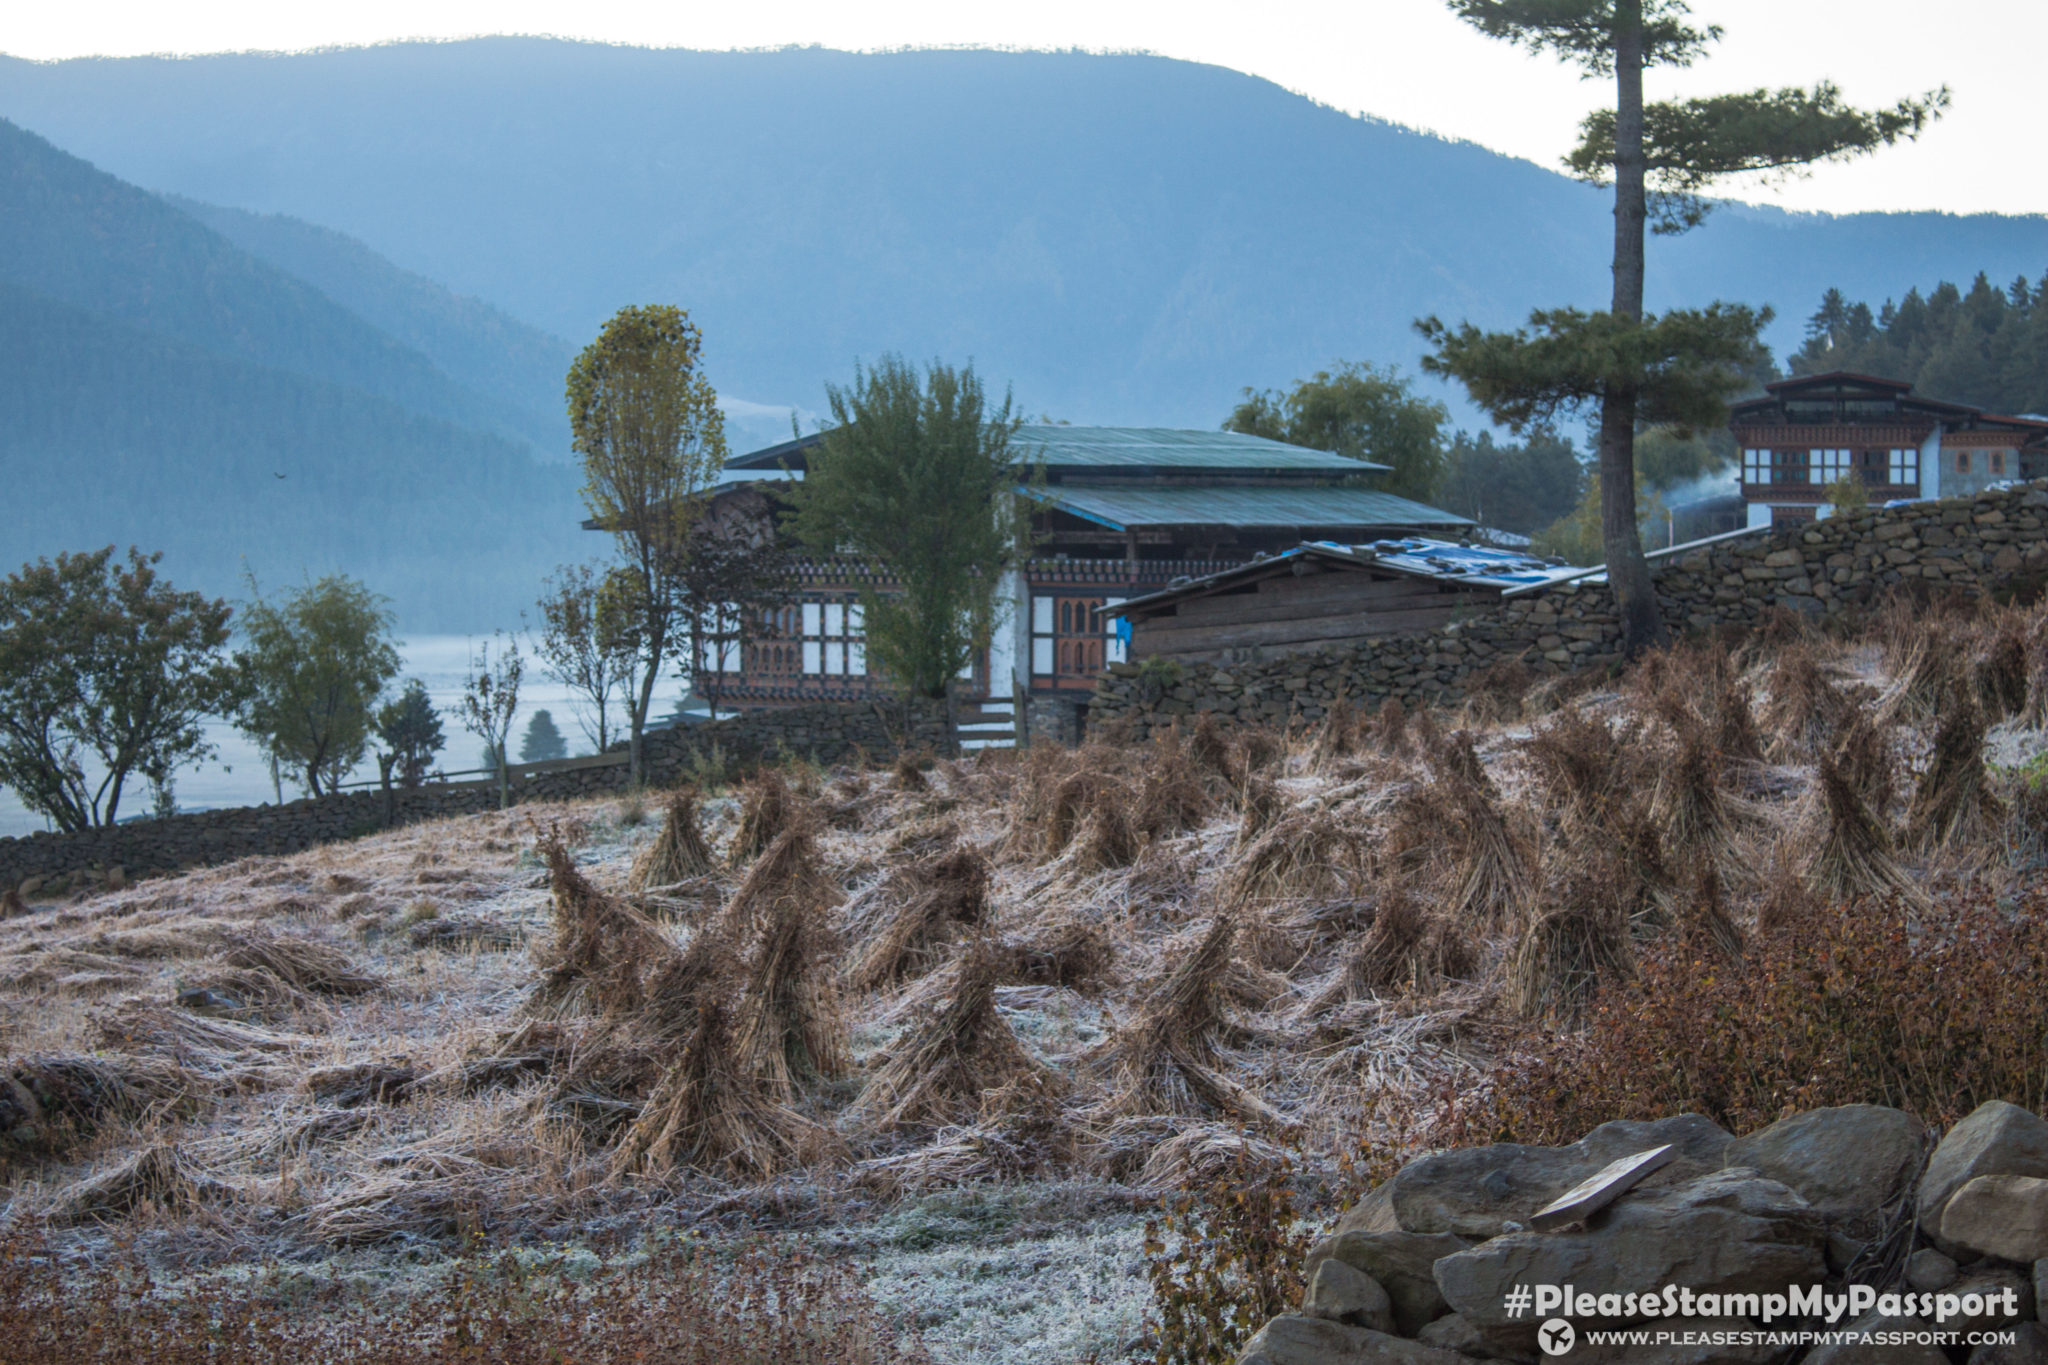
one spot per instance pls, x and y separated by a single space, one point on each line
825 733
1969 545
1852 1222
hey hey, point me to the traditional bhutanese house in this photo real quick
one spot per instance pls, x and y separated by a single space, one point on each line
1806 433
1120 512
1323 594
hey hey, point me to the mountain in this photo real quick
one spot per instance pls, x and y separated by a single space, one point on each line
519 368
1124 238
161 387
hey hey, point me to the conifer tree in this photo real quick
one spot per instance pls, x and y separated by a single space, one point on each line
1680 368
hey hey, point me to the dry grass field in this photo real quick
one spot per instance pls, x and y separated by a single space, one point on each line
901 1060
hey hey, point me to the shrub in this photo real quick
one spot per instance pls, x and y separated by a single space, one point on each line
1224 1257
1932 1010
680 1304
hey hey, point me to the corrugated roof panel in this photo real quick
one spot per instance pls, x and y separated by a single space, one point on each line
1061 447
1171 448
1128 508
1448 560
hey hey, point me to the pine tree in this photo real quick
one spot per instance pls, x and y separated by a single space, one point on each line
1681 368
542 743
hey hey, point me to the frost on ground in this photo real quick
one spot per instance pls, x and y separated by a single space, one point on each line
960 1026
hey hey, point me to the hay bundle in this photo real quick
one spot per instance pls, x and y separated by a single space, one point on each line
959 1062
907 773
351 1085
157 1177
791 1024
1927 659
1209 749
940 896
1199 1154
2000 671
1388 729
1804 705
1688 803
1853 854
1951 799
1870 764
1337 737
788 869
143 1025
1172 796
1303 854
1109 837
709 1113
1704 918
302 963
47 1103
1566 951
1577 759
1260 804
955 1156
1165 1059
767 808
1069 954
1404 948
248 994
679 852
1491 883
603 949
1078 796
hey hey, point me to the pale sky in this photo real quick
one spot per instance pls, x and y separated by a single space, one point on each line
1405 60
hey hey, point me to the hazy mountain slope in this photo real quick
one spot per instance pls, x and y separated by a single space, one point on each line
72 232
474 343
1126 238
110 434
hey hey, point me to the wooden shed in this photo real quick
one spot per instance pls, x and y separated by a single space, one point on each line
1319 594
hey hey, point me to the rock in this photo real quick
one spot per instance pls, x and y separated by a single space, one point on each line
1995 1139
1292 1339
1404 1263
1479 1191
1999 1215
1928 1270
1699 1352
1343 1293
1727 1232
1847 1162
1453 1332
1860 1353
2028 1347
2001 1289
1374 1213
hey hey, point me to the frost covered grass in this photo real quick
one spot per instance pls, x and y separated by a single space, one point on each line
954 1038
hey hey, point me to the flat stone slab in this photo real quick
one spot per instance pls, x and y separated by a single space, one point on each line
1600 1189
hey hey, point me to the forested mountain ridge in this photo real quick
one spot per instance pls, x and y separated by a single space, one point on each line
72 232
1122 238
480 347
162 388
1987 347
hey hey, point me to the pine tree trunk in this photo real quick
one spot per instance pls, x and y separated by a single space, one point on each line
1628 573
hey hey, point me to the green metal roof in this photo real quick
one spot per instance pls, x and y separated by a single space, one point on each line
1127 449
1124 509
1171 448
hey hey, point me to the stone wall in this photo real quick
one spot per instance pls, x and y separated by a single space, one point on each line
825 733
1972 545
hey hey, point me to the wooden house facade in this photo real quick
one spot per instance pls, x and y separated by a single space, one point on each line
1320 595
1117 513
